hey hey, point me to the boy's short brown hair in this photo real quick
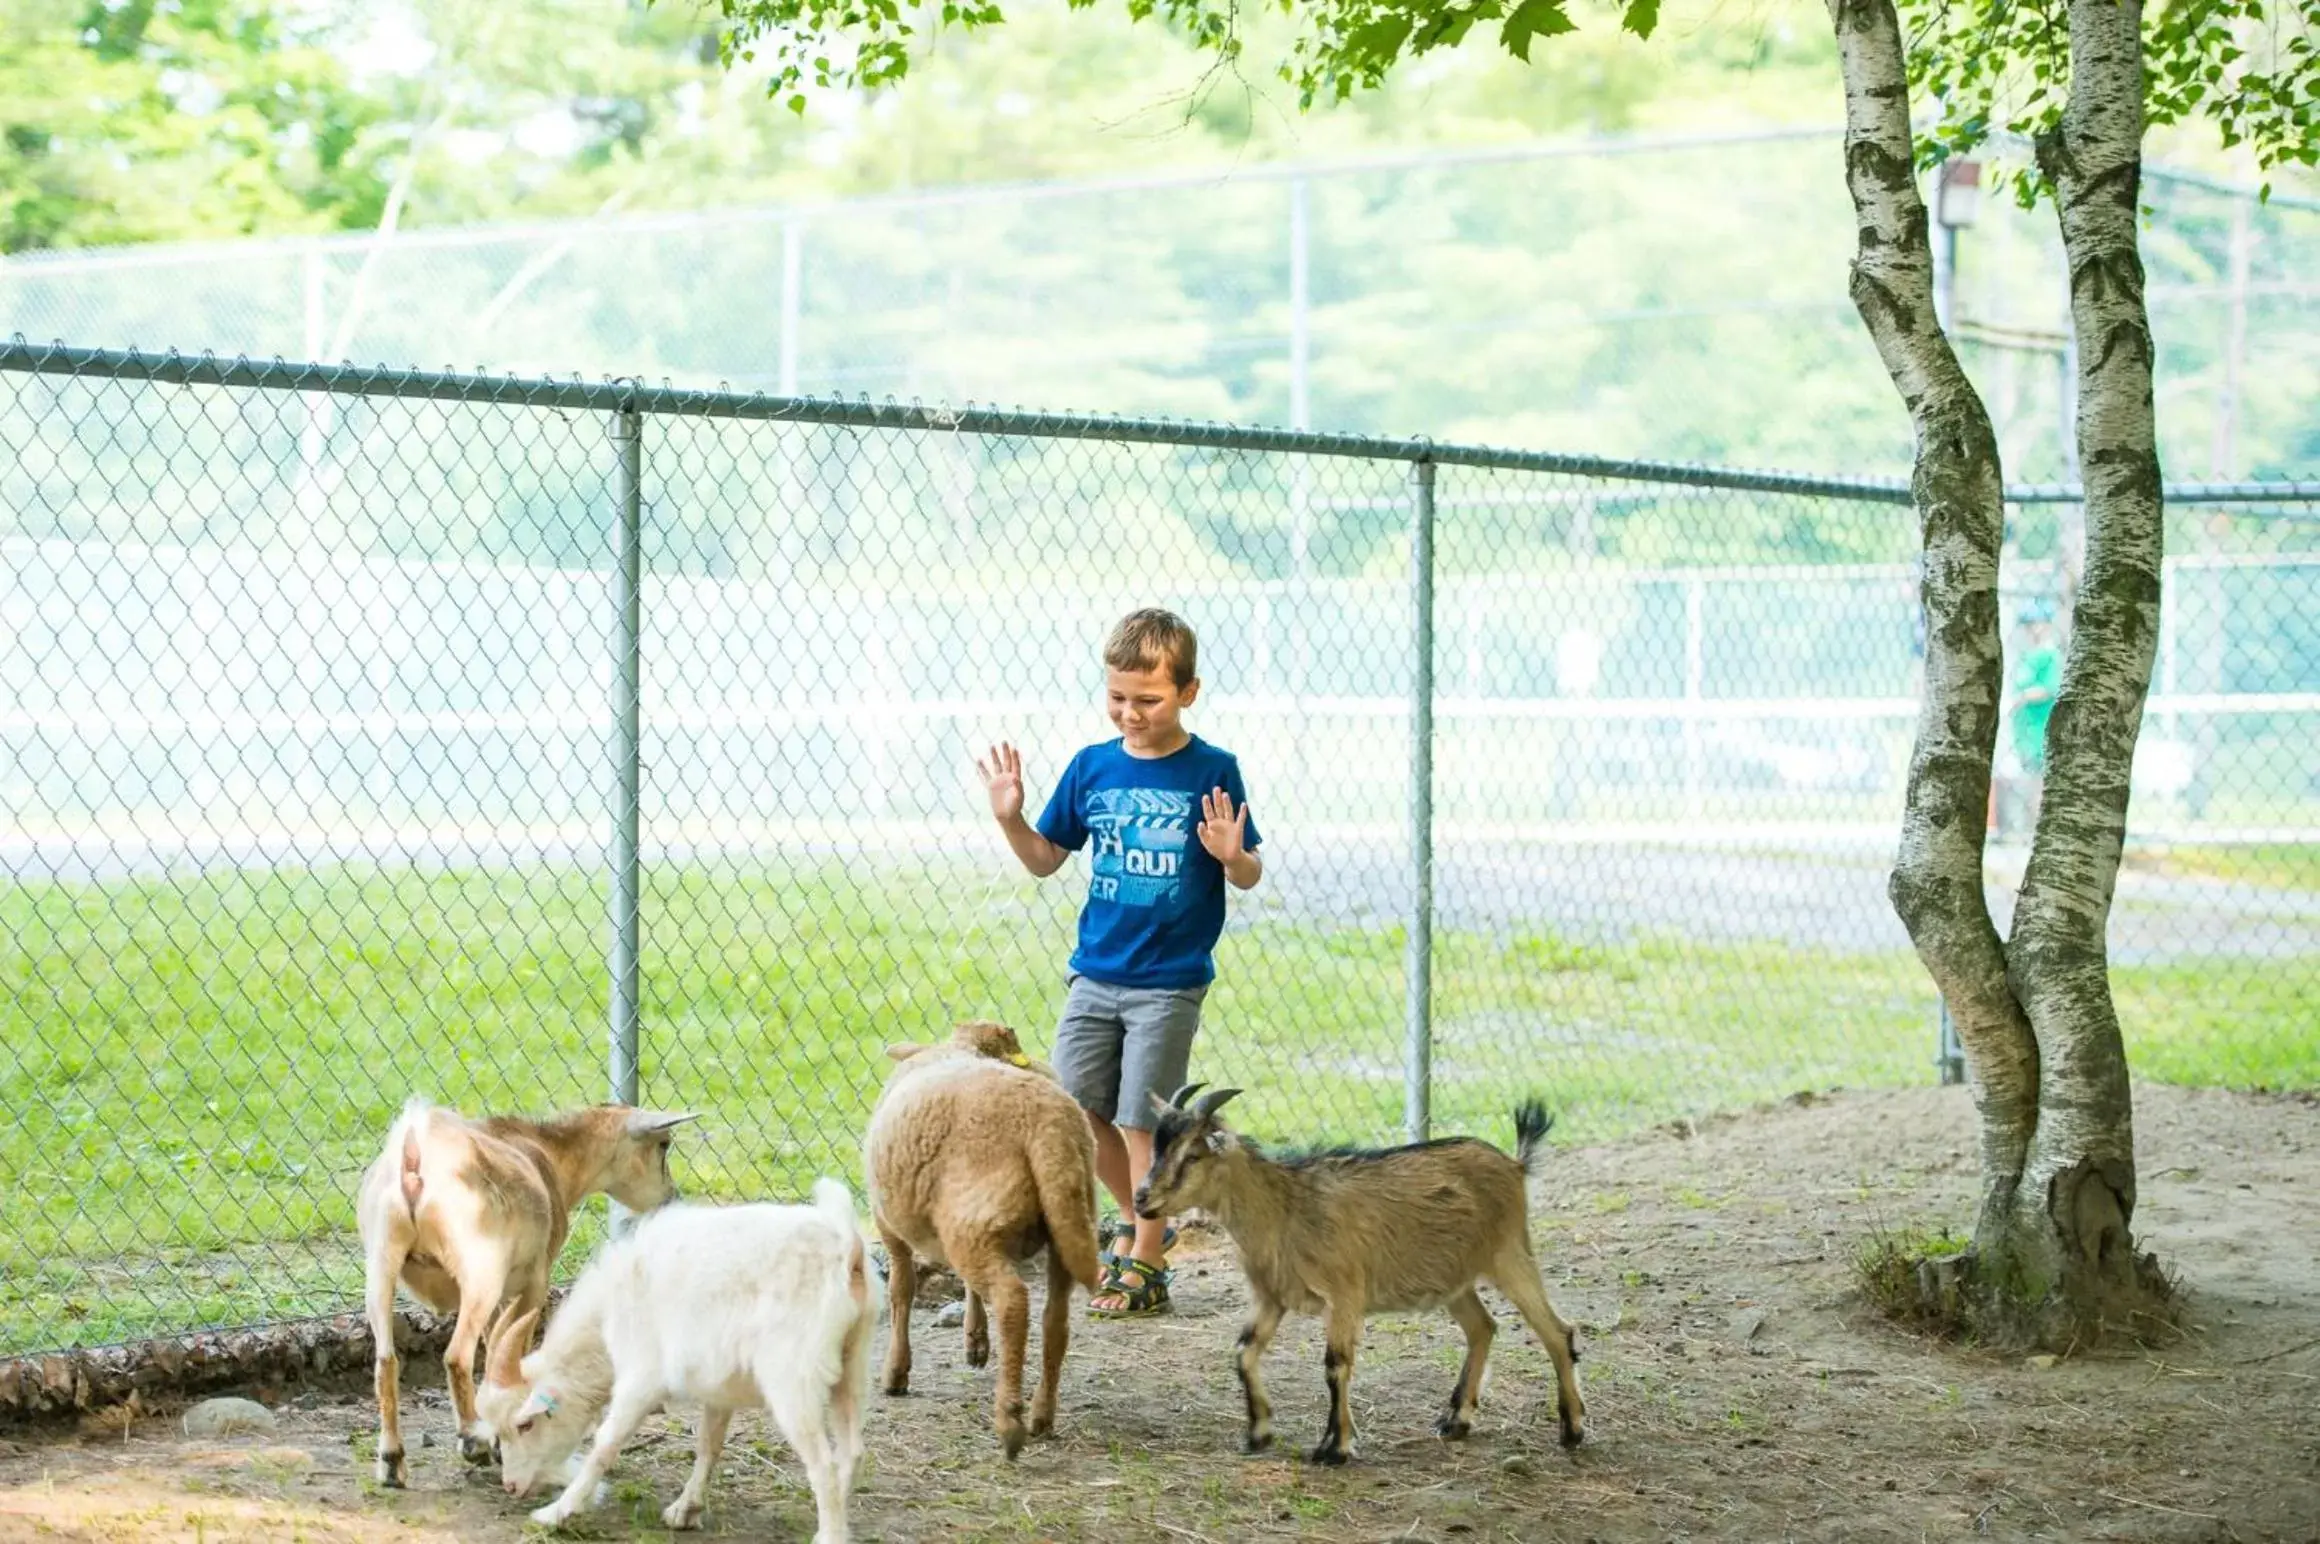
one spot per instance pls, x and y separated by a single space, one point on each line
1151 638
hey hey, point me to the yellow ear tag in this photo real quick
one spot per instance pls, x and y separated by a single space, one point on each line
1020 1060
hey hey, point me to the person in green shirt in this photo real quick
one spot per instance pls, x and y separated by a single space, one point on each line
2037 676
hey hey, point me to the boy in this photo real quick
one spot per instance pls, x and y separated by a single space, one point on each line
1155 905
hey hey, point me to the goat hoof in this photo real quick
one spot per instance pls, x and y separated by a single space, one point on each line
897 1387
1452 1428
1572 1435
391 1472
681 1516
1329 1453
1011 1441
1256 1442
978 1353
1042 1423
477 1450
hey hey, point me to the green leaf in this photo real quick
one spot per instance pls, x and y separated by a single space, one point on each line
1641 17
1538 18
1378 43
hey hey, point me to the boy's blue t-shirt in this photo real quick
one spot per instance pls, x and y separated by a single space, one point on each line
1155 902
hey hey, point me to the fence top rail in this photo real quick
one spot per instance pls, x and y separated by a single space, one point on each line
2302 490
19 355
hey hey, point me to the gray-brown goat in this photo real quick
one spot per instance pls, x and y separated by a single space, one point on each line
471 1214
1359 1231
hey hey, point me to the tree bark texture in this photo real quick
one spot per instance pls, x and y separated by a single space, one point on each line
1936 885
2034 1012
2069 1230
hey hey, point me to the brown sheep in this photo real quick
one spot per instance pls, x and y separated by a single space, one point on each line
978 1161
1360 1231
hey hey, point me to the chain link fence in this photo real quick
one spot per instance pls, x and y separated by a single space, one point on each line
366 734
1576 293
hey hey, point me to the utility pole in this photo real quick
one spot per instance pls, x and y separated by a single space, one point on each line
1957 203
2223 453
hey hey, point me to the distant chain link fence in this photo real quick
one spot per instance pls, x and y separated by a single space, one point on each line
511 742
1578 292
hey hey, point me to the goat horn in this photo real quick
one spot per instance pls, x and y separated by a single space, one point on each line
1186 1092
491 1327
493 1333
1210 1103
503 1361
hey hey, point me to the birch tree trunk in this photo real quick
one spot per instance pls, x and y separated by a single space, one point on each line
2052 1242
2067 1234
1937 879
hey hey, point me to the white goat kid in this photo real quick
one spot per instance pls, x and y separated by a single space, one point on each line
724 1307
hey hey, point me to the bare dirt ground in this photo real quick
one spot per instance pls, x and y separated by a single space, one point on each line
1737 1388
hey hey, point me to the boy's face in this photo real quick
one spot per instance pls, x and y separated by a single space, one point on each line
1147 707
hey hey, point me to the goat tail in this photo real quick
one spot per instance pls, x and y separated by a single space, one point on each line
414 1182
834 1201
1531 1124
1067 1204
836 1204
857 1310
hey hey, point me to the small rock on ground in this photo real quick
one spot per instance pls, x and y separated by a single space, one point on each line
227 1418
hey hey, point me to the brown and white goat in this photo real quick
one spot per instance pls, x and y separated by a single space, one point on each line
977 1160
470 1215
1358 1231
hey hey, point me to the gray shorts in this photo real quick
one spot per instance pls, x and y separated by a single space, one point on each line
1116 1045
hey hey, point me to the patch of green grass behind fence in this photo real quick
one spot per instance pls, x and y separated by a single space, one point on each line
196 1070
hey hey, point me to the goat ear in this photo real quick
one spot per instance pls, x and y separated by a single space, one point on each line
903 1053
649 1123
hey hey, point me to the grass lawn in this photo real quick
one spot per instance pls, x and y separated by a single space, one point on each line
2271 865
196 1071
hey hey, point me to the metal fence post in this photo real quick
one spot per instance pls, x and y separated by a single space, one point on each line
627 756
1950 1052
792 262
1418 1013
1300 594
1695 692
1300 306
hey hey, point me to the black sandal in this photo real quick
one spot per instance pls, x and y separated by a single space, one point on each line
1120 1231
1148 1296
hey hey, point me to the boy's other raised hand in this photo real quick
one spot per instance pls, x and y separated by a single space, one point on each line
1223 830
1002 770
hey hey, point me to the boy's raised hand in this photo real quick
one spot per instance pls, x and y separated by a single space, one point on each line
1003 777
1223 830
